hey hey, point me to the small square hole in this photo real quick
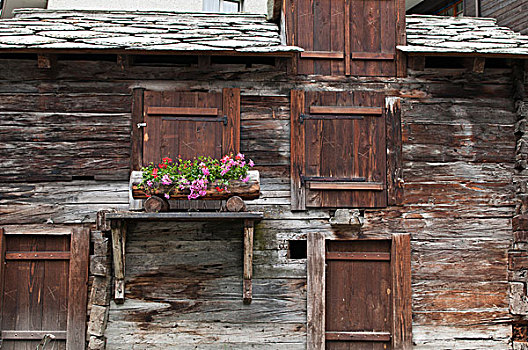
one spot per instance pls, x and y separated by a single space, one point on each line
297 249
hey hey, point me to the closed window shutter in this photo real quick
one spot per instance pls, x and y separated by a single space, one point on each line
190 124
338 150
319 28
348 37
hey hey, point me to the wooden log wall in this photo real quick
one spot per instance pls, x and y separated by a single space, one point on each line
184 280
509 13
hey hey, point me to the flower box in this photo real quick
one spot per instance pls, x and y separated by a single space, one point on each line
244 190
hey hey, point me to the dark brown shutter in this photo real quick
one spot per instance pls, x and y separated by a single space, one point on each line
190 124
338 149
346 37
44 281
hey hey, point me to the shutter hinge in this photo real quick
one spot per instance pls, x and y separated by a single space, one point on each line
224 119
141 125
302 117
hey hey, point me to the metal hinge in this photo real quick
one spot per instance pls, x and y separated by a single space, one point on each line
141 125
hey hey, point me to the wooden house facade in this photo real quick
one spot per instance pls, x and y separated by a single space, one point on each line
392 158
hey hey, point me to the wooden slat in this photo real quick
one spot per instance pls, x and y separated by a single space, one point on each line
118 249
401 38
37 255
402 294
181 111
371 186
137 132
347 25
358 336
345 110
2 273
394 151
185 216
248 262
31 335
315 267
231 109
298 200
372 56
79 262
329 55
358 256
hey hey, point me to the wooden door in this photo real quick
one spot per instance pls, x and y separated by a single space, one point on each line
43 281
358 295
190 124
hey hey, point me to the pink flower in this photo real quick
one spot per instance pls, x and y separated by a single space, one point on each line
205 171
251 164
166 180
149 183
167 195
246 179
239 156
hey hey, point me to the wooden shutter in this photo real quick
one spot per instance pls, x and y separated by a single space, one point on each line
44 289
367 289
190 124
351 37
319 28
338 149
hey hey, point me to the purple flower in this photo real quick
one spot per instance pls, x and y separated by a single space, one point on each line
166 180
205 171
251 164
167 195
245 179
149 183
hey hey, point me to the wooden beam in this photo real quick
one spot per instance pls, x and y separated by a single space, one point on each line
372 56
118 250
370 186
417 63
477 64
358 256
78 288
185 216
346 110
37 255
32 335
328 55
359 336
124 61
136 160
182 111
316 291
401 287
46 61
248 261
394 151
298 198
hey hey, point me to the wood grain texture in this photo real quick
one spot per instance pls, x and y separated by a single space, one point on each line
247 292
78 288
315 267
298 201
136 142
2 274
401 287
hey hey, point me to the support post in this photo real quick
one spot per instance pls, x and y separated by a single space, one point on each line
316 280
118 250
248 261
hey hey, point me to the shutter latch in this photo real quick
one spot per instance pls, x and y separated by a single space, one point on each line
141 125
224 119
302 117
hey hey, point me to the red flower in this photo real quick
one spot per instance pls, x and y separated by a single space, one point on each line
155 173
167 160
162 166
219 189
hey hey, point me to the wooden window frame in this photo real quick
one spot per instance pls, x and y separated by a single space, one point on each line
79 262
401 287
394 157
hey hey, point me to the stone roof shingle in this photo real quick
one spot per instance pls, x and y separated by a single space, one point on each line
148 31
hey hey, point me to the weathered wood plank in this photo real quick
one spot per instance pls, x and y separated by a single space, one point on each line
78 281
315 318
401 287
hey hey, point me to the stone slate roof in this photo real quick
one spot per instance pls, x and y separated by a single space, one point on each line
437 34
152 31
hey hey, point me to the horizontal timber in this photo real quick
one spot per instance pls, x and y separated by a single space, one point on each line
358 336
345 110
184 216
37 256
357 256
31 335
371 186
181 111
332 55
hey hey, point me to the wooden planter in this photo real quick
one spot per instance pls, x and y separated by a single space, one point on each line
236 192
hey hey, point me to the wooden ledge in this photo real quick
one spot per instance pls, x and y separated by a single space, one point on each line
185 216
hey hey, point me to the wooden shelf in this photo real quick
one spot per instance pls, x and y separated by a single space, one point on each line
117 223
185 216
